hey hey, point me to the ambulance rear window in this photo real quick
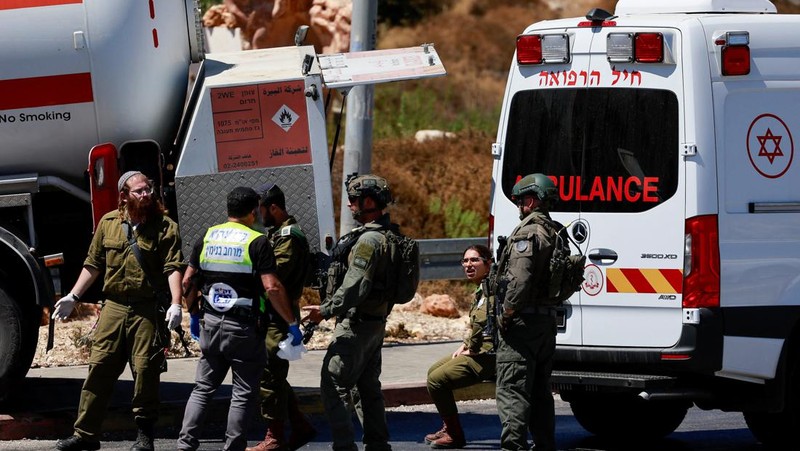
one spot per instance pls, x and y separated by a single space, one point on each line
609 149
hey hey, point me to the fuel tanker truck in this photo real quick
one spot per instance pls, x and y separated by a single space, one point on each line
90 89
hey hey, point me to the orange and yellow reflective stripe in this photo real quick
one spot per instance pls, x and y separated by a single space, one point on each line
638 280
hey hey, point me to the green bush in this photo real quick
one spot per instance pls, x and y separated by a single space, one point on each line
400 111
458 222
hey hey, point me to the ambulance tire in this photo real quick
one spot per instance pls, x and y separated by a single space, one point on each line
773 430
626 415
17 342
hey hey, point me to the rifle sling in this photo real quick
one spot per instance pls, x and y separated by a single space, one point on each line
138 253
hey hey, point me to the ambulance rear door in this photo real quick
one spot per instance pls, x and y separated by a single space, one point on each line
609 134
630 190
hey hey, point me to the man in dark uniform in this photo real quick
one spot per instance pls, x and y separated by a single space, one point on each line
353 359
292 256
234 265
528 325
127 330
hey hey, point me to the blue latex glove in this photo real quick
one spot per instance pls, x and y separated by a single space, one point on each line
297 336
194 326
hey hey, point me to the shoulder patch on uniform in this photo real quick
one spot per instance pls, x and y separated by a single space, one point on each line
359 262
286 231
521 245
362 254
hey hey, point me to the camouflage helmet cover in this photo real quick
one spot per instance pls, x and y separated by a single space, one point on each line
536 184
369 185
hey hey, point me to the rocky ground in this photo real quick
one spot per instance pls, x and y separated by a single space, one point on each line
406 324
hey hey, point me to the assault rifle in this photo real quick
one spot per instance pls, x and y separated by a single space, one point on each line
495 285
182 337
190 299
308 331
319 283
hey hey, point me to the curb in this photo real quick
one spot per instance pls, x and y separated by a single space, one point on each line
58 423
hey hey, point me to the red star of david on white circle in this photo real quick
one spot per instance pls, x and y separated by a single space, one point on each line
776 142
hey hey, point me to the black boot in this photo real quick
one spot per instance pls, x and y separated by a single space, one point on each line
77 443
144 439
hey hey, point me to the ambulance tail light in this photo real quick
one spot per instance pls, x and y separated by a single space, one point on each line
638 47
735 52
701 263
542 49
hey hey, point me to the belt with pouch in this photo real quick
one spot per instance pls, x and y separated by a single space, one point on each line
242 308
355 316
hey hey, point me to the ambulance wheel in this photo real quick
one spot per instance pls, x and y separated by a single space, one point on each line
18 338
773 430
619 415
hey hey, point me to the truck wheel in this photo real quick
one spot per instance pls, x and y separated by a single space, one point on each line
628 415
18 338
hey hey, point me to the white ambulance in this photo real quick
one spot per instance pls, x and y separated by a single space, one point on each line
668 128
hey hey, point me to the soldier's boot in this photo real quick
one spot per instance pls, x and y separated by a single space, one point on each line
77 443
144 438
302 429
435 435
275 439
453 435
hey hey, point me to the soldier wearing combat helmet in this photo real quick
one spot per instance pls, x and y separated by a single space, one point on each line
527 340
353 359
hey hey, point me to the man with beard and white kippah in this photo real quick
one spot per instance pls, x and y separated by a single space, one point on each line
138 249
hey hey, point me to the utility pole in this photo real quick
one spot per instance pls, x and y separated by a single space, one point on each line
360 102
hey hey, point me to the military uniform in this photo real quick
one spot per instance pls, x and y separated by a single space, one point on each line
292 256
230 258
450 373
353 359
526 348
127 329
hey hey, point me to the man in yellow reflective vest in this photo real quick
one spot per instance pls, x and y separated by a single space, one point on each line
234 265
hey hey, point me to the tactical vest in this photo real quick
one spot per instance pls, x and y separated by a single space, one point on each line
339 260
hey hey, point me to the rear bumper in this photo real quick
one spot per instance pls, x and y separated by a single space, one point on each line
698 351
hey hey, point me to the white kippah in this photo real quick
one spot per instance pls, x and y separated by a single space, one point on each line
124 179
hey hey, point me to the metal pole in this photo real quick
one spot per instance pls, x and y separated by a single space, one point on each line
360 101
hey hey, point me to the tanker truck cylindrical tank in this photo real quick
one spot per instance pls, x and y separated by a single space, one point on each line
76 73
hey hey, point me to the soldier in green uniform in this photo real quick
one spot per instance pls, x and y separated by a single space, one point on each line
293 259
352 364
472 362
527 340
127 330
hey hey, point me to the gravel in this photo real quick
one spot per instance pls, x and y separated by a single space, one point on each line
72 339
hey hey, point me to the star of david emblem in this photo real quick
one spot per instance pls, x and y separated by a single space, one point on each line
776 141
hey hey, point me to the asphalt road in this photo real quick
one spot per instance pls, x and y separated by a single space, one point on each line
700 431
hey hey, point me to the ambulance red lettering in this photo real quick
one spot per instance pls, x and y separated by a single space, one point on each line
608 189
